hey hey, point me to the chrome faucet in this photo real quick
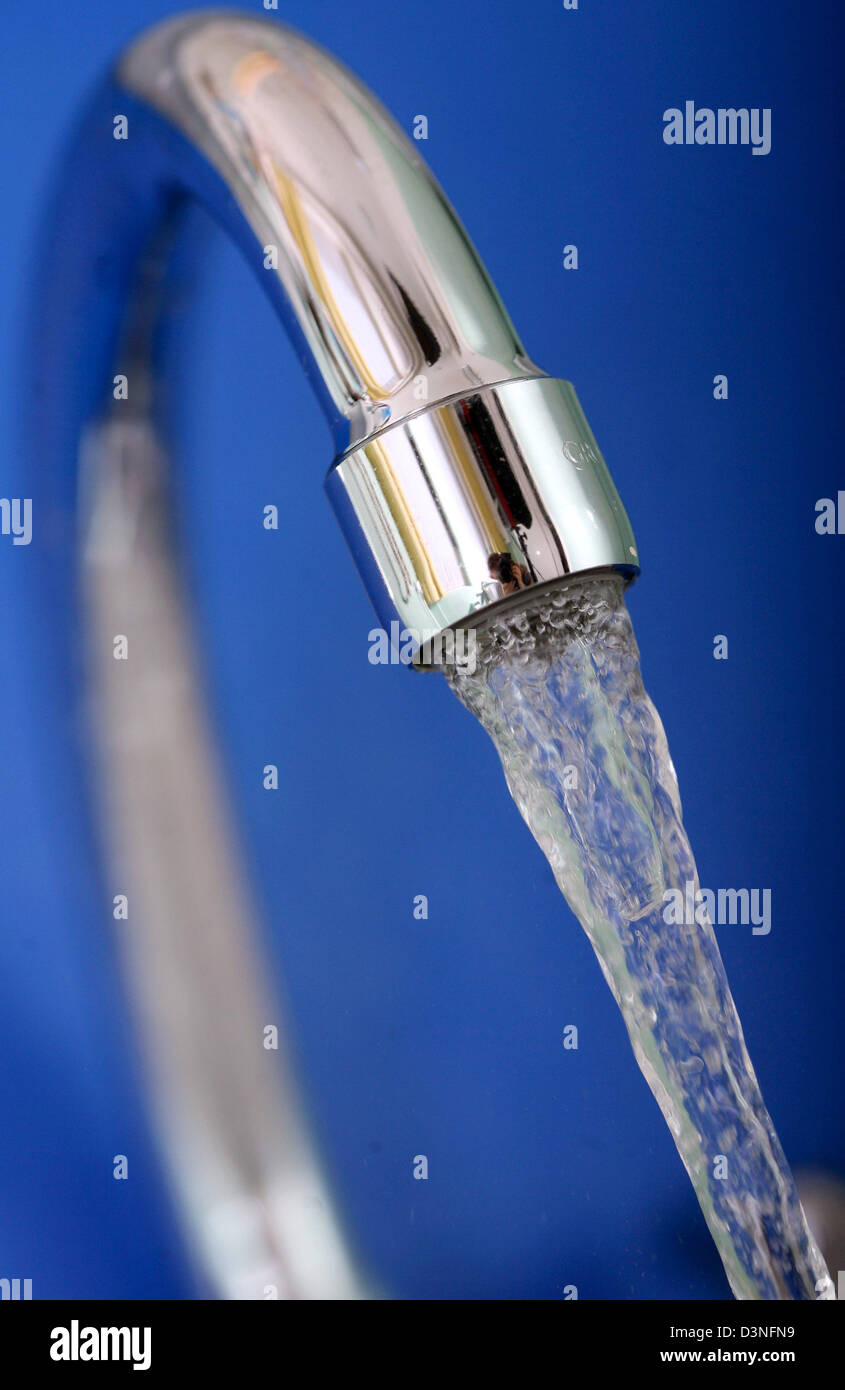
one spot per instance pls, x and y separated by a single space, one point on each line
451 446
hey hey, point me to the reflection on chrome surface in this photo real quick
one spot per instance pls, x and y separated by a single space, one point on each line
462 474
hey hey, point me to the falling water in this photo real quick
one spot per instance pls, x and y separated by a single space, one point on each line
557 686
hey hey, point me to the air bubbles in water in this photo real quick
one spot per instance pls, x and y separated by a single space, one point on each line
557 686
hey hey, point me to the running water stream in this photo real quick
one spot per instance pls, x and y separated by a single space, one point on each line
557 686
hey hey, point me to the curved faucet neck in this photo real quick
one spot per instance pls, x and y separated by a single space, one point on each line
351 236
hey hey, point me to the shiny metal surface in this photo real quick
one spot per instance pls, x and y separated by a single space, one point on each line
379 277
451 446
256 1208
452 443
513 469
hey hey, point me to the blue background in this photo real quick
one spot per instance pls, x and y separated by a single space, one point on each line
547 1167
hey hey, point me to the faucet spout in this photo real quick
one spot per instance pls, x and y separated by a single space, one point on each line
452 446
